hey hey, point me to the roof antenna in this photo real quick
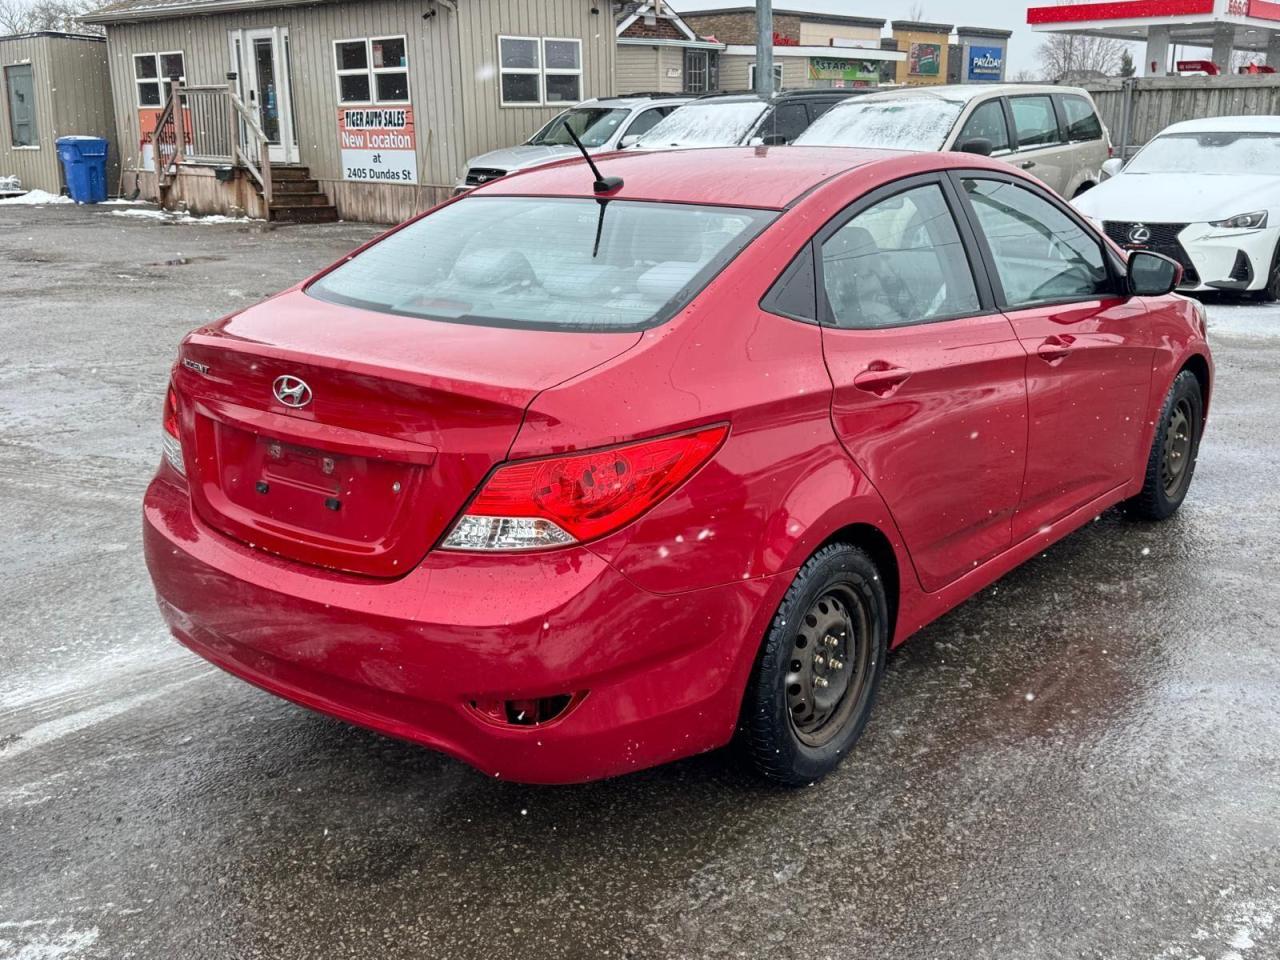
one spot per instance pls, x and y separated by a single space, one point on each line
602 184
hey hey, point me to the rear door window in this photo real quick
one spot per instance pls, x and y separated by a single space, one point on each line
788 121
645 122
1041 254
1035 121
546 262
898 262
1081 121
987 122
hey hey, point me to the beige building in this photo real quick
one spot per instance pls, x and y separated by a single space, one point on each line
360 109
658 52
809 49
926 47
54 85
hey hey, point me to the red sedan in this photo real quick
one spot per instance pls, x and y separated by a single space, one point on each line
570 477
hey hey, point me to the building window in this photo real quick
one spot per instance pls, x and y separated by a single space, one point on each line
152 73
375 70
701 71
777 77
20 89
539 70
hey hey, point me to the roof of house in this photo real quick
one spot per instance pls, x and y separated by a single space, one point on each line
806 15
53 35
642 23
119 10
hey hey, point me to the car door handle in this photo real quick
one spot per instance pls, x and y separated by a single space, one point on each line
1027 164
1055 347
881 378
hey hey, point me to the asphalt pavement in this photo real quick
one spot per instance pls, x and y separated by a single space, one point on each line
1081 762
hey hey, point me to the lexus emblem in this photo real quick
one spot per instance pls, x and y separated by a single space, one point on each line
1139 233
291 391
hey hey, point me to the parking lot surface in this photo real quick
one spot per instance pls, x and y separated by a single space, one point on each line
1081 762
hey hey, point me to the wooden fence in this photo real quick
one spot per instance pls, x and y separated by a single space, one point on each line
1135 110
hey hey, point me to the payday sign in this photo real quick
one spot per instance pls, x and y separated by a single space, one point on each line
378 144
985 63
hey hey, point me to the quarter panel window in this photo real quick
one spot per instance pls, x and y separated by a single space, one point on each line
1082 122
1035 121
900 261
988 123
1041 254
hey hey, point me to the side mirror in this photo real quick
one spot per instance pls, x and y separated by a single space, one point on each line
1112 167
774 140
979 145
629 140
1152 274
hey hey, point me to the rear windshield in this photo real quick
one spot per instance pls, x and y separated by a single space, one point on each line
900 123
593 126
551 263
706 125
1229 154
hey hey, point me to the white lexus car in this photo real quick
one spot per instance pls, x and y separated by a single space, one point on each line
1205 192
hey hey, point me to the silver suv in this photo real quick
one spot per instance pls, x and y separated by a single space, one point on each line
603 124
1052 132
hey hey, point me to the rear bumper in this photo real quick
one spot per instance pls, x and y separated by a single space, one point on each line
661 675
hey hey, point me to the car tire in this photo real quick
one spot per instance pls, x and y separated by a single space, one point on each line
1172 460
1271 292
818 671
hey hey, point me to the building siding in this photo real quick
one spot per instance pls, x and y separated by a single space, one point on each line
453 81
644 69
735 71
72 97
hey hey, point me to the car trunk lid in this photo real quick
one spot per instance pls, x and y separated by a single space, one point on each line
400 420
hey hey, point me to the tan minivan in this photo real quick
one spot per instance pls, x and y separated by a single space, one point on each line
1051 132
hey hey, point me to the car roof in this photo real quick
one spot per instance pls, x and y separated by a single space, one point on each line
634 99
1255 124
768 177
964 92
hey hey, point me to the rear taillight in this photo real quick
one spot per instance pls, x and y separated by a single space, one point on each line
169 441
537 504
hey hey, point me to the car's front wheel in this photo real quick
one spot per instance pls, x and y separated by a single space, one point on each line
817 673
1271 292
1172 459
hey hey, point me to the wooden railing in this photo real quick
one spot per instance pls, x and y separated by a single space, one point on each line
217 128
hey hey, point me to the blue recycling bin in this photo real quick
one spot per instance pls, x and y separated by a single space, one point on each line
84 161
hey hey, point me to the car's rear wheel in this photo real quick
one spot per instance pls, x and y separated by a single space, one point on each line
818 671
1172 460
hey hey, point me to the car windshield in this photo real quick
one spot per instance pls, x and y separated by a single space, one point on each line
593 125
900 123
707 124
552 263
1211 153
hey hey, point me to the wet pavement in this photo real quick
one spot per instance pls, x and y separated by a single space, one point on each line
1082 762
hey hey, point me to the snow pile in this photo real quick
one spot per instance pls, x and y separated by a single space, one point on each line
169 216
34 198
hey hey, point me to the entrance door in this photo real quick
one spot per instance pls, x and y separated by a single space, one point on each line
260 58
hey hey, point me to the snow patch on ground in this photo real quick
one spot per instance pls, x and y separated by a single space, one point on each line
168 216
1233 935
1243 320
35 198
43 945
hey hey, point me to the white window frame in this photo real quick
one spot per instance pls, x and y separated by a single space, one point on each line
159 81
541 71
371 71
777 76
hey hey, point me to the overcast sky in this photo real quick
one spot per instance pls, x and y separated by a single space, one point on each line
1001 14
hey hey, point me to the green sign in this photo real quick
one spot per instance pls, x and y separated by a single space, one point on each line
852 72
924 60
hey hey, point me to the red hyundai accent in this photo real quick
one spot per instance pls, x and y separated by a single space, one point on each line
567 483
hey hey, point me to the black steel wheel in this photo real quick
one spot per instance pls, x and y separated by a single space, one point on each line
1172 460
819 668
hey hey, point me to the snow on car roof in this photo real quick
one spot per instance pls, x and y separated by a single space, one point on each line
1253 124
959 93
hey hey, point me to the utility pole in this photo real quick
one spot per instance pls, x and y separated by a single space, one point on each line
764 47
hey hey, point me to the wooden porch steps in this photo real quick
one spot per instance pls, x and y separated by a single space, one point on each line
296 197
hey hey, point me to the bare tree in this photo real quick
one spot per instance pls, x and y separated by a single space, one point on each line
916 12
1063 55
25 16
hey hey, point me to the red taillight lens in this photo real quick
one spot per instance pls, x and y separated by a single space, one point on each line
171 413
170 443
561 500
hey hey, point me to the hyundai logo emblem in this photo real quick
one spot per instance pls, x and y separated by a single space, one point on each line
1139 233
291 391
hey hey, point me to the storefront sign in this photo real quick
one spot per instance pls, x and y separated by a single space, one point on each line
985 64
844 73
924 59
147 120
379 144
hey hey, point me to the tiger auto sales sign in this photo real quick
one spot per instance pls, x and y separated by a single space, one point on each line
378 144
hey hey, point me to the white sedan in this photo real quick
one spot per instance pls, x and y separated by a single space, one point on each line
1207 193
